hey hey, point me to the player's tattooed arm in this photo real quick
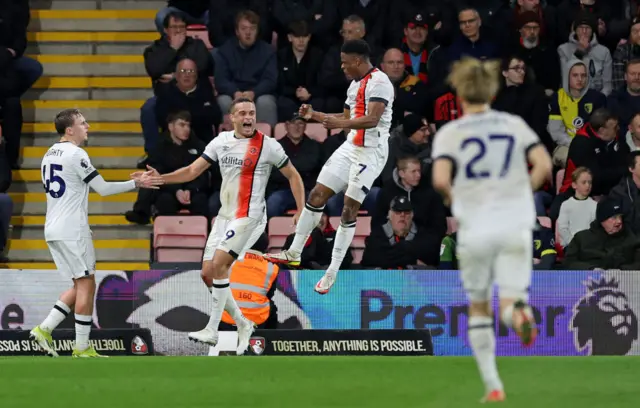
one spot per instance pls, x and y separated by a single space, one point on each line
185 174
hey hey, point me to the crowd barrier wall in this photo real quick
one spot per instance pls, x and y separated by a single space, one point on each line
579 312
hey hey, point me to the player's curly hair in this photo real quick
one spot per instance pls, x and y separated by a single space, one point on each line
475 81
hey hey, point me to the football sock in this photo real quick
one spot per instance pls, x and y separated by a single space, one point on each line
83 328
309 219
507 316
59 312
483 344
220 292
232 308
341 244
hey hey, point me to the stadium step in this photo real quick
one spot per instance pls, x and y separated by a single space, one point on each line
36 250
92 20
100 266
36 203
91 51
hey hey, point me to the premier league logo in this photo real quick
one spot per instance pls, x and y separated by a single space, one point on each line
602 322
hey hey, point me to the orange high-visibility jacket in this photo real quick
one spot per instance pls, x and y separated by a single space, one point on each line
250 281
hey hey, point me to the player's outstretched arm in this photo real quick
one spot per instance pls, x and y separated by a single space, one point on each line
297 187
139 179
441 175
185 174
307 112
541 165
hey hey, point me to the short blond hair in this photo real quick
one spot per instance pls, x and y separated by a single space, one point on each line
475 81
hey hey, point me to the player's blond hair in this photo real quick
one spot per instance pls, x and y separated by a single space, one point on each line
475 81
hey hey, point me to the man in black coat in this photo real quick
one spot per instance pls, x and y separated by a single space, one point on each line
192 94
178 148
298 66
194 11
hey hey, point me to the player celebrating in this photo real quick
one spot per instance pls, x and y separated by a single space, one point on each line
245 157
67 174
492 200
355 165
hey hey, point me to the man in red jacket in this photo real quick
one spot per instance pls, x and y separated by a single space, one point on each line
595 146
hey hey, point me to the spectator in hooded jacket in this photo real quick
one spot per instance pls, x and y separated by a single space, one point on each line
625 102
596 147
538 52
627 193
247 67
298 66
411 93
570 109
625 53
194 11
607 244
583 45
523 97
602 11
429 213
400 242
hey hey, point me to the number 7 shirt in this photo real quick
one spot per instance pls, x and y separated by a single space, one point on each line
491 184
66 172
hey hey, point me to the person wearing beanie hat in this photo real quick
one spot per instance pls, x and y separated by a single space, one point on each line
583 45
412 139
607 244
538 53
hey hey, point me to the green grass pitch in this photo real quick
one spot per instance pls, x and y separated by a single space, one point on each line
332 382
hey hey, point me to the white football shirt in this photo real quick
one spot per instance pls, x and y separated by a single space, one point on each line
491 187
245 165
375 86
66 172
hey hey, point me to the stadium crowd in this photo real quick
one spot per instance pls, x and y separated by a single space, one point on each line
570 69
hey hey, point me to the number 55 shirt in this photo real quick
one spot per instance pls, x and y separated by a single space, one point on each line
66 172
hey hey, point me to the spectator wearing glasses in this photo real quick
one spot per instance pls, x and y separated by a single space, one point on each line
192 94
161 60
472 41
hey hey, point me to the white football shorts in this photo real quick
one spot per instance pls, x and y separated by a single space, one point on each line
353 169
505 259
74 259
233 236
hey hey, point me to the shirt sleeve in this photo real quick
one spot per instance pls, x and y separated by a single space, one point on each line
275 153
210 154
381 91
82 166
443 146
